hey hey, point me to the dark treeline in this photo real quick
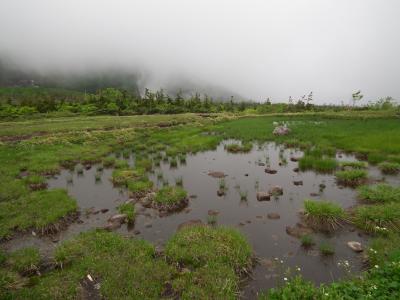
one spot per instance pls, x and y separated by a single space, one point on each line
15 102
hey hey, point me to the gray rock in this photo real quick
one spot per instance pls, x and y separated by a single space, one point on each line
281 130
355 246
276 190
273 216
263 196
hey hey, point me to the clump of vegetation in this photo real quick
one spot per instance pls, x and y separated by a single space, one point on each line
36 182
378 218
212 220
121 177
170 199
182 159
41 210
307 241
108 161
239 148
389 167
320 164
97 176
129 210
324 215
351 177
179 181
379 193
145 164
197 246
24 261
103 255
353 164
326 249
121 164
173 163
140 187
243 195
79 170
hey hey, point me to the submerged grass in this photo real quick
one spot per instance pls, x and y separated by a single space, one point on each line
319 164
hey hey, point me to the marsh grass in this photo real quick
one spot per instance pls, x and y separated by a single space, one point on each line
36 182
222 184
351 177
212 220
179 181
353 164
324 215
170 195
307 241
79 170
379 193
41 210
243 195
173 163
129 210
24 261
377 218
140 186
108 162
319 164
197 246
145 164
121 164
182 159
104 256
389 167
122 177
326 249
239 148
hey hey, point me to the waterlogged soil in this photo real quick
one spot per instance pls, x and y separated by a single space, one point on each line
244 173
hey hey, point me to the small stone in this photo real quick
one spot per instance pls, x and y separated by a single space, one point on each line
355 246
314 194
120 218
263 196
193 196
241 224
136 232
148 225
259 217
295 158
248 221
104 210
276 190
296 170
270 171
112 226
298 182
246 174
281 130
267 263
261 164
217 174
298 230
213 212
273 216
220 193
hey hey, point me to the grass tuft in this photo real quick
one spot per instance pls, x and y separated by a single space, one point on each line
324 215
351 177
378 218
389 167
379 193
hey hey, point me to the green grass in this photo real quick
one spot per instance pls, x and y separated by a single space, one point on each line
141 186
170 195
384 248
379 193
351 177
197 246
173 163
239 148
125 268
353 164
24 260
41 210
122 177
389 167
319 164
324 215
129 210
108 162
378 218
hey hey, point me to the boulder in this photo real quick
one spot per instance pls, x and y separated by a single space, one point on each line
355 246
263 196
119 218
281 130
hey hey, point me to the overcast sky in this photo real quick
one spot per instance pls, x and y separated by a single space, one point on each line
259 49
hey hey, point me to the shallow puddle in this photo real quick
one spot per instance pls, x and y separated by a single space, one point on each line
276 249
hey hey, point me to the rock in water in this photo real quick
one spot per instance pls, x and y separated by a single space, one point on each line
263 196
281 130
355 246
